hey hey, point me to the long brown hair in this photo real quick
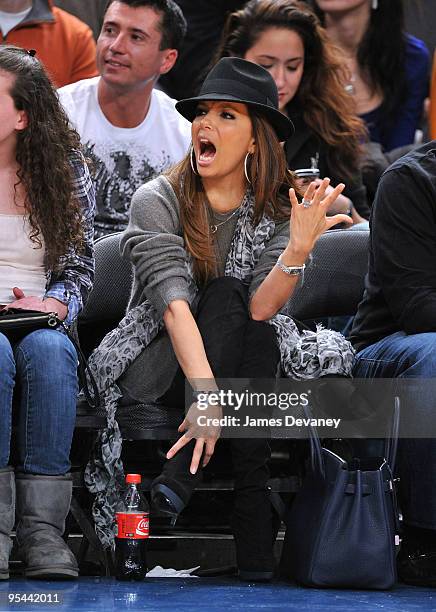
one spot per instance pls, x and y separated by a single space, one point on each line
270 180
43 153
327 107
381 57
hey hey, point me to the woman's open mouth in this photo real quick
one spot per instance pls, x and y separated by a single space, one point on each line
207 152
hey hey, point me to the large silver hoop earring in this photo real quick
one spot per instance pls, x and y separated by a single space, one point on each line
246 169
374 5
194 169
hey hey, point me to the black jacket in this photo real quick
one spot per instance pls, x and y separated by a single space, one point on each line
205 20
400 288
306 144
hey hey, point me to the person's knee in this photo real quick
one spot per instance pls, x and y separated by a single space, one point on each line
399 355
224 296
418 355
262 334
263 331
48 348
226 285
7 362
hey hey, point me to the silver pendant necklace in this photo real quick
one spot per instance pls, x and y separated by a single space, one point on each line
214 226
350 87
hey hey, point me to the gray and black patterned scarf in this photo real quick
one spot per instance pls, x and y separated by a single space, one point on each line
304 356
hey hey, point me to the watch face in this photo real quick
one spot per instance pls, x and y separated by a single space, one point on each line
291 270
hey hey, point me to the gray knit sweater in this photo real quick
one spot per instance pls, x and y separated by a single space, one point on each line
154 243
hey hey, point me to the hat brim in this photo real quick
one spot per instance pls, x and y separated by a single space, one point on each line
282 125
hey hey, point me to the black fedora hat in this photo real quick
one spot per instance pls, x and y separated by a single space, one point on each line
236 80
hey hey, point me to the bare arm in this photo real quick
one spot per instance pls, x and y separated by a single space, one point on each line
154 244
306 226
187 342
189 349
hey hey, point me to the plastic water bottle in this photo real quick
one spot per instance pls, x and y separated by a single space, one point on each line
132 518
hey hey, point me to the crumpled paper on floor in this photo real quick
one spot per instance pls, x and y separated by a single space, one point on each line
169 572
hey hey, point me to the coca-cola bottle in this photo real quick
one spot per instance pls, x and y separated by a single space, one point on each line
132 518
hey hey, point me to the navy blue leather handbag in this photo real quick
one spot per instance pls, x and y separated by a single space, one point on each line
342 525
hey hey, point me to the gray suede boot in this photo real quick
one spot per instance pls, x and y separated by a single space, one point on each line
7 518
43 503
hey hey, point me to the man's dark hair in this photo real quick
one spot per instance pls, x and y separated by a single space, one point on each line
172 24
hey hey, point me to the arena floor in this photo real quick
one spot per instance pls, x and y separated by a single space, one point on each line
107 594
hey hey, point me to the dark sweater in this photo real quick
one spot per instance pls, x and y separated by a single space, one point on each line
305 144
400 288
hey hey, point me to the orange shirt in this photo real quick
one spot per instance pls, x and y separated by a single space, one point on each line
433 100
63 43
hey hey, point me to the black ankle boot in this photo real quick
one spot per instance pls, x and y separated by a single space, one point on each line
172 490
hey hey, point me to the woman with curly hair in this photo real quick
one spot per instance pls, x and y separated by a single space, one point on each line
46 264
388 73
286 38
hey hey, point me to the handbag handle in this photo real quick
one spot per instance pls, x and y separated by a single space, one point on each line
391 443
316 459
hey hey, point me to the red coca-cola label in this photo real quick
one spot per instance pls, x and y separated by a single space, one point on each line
132 525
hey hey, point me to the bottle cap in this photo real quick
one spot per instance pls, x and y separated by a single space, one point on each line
133 478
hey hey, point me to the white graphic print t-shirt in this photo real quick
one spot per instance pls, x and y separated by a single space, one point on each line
124 158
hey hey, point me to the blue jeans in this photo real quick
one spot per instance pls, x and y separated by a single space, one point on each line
359 227
44 366
413 356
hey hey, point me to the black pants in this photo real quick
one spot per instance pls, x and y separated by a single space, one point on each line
235 345
238 347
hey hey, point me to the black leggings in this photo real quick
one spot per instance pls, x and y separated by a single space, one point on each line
235 345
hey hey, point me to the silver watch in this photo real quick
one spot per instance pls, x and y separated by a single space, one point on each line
290 270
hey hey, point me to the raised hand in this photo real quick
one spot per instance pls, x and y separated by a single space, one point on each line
309 218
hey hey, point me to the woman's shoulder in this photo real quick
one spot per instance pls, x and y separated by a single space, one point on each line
76 157
157 200
160 186
416 50
158 193
81 178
